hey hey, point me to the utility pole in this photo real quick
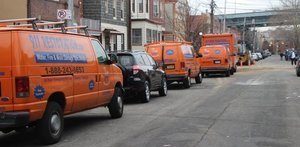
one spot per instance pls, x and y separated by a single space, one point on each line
224 25
129 45
212 10
71 9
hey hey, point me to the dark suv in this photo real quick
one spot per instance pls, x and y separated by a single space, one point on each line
141 75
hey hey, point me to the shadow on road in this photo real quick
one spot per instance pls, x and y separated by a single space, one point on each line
73 125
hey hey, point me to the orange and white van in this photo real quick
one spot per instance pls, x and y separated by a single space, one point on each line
178 60
228 40
215 59
45 75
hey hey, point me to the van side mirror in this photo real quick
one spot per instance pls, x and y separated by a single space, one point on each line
155 66
199 55
114 58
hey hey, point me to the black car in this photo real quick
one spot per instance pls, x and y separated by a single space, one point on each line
141 75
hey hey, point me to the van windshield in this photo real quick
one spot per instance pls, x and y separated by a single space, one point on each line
125 60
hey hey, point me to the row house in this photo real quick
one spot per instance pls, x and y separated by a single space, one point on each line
113 16
147 18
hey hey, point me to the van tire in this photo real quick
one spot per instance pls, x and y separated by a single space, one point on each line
51 126
116 105
163 91
298 74
145 95
231 72
227 73
187 82
199 79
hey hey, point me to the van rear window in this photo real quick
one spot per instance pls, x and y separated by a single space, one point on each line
125 60
187 51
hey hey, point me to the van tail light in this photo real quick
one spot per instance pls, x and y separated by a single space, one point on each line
135 69
182 65
22 87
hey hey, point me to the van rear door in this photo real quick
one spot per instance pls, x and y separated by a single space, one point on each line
6 92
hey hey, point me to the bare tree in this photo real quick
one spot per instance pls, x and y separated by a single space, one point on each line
287 16
186 24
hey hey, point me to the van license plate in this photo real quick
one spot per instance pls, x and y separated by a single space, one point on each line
217 62
170 66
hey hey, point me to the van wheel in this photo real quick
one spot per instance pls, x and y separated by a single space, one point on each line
298 74
116 104
145 95
199 79
227 73
187 82
164 88
231 72
51 126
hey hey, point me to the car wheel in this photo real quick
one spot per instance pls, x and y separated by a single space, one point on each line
232 72
116 105
187 82
145 95
164 88
199 79
51 126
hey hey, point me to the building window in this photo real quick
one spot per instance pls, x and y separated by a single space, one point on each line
133 6
115 8
141 4
154 36
122 42
106 6
122 9
136 37
149 36
147 6
158 36
156 8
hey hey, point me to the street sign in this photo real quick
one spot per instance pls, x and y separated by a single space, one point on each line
63 14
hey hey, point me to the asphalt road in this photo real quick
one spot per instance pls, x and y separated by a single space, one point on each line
257 107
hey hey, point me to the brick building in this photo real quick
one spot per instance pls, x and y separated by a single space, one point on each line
114 21
45 10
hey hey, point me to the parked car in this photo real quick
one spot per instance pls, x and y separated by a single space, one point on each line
141 75
47 74
216 59
260 57
298 69
178 60
254 56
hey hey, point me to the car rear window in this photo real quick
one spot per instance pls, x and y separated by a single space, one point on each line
125 60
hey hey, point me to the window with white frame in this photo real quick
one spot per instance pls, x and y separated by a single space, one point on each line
147 6
156 8
106 6
141 6
114 8
136 37
122 9
149 35
133 6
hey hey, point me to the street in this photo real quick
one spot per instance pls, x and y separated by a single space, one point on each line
259 106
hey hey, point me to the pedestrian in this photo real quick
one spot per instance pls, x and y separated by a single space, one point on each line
293 58
281 56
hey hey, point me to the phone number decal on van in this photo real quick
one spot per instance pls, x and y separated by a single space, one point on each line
64 70
52 57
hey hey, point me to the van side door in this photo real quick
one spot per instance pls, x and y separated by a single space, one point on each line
105 77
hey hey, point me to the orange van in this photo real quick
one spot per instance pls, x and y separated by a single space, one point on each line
45 75
216 59
178 60
227 40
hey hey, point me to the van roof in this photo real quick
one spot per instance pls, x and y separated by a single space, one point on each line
167 43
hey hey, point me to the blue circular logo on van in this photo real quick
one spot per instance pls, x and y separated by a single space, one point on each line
39 92
170 52
91 85
218 52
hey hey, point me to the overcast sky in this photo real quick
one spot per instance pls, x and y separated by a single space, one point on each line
238 6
